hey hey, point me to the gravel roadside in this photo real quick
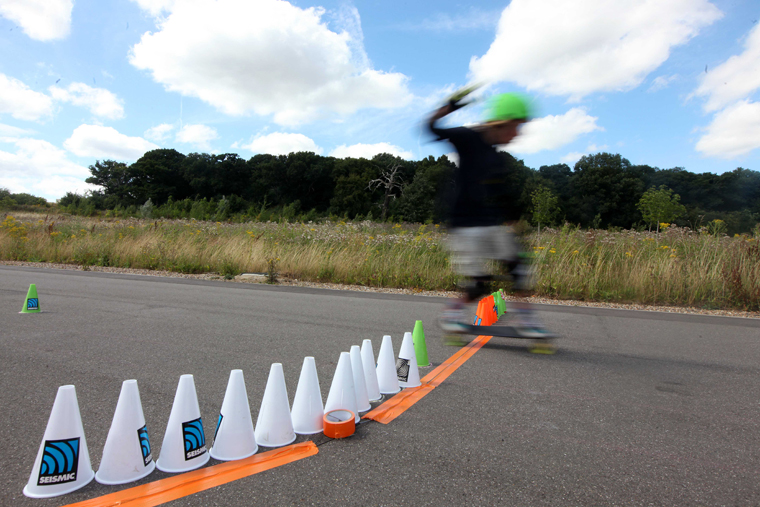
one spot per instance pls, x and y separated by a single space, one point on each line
260 278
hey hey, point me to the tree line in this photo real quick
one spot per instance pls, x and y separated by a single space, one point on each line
603 190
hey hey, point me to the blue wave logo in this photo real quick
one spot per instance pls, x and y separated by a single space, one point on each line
195 439
33 304
142 436
218 424
60 460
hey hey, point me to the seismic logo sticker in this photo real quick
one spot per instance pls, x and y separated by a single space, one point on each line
195 439
218 424
142 436
33 304
60 461
402 369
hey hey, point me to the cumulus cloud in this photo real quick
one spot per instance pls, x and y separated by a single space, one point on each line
552 132
735 131
39 168
735 79
267 57
368 151
281 143
100 142
198 135
101 102
22 102
159 133
578 47
41 20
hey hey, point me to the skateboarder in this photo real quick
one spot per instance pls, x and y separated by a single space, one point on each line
482 208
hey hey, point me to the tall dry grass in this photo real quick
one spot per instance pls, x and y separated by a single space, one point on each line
676 266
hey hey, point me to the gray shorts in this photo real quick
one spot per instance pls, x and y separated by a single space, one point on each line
472 248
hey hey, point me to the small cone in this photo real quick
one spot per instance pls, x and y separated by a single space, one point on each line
308 409
274 427
32 302
342 392
184 445
63 462
126 456
499 303
370 374
360 385
386 368
420 347
234 438
406 365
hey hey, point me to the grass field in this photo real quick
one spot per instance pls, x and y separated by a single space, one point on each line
676 266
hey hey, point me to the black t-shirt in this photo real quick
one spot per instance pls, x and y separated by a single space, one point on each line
481 195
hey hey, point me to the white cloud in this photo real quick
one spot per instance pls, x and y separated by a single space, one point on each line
661 82
99 101
474 19
369 150
578 47
106 143
22 102
39 168
735 79
571 158
267 57
155 7
13 132
735 131
198 135
159 133
41 20
280 143
552 132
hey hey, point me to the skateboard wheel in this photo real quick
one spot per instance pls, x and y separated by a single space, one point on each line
542 348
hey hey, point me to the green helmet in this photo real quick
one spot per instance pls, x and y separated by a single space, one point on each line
509 106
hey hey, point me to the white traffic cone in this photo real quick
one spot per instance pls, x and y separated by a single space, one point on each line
308 409
386 368
126 455
342 392
234 438
63 462
370 374
362 398
274 427
407 372
184 445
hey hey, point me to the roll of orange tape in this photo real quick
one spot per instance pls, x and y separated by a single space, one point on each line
339 423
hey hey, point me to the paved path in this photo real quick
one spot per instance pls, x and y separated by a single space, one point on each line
636 408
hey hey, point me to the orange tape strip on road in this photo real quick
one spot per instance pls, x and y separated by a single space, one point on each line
394 407
172 488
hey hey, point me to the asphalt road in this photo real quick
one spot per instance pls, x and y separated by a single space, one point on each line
636 408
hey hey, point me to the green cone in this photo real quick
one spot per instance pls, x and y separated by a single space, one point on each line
32 302
420 348
500 305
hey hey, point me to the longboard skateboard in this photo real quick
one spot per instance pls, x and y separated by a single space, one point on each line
539 345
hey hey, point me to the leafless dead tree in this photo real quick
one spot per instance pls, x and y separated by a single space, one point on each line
390 180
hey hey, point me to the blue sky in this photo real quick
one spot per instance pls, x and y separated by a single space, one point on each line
666 83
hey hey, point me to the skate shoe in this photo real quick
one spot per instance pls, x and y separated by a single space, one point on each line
527 324
452 319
